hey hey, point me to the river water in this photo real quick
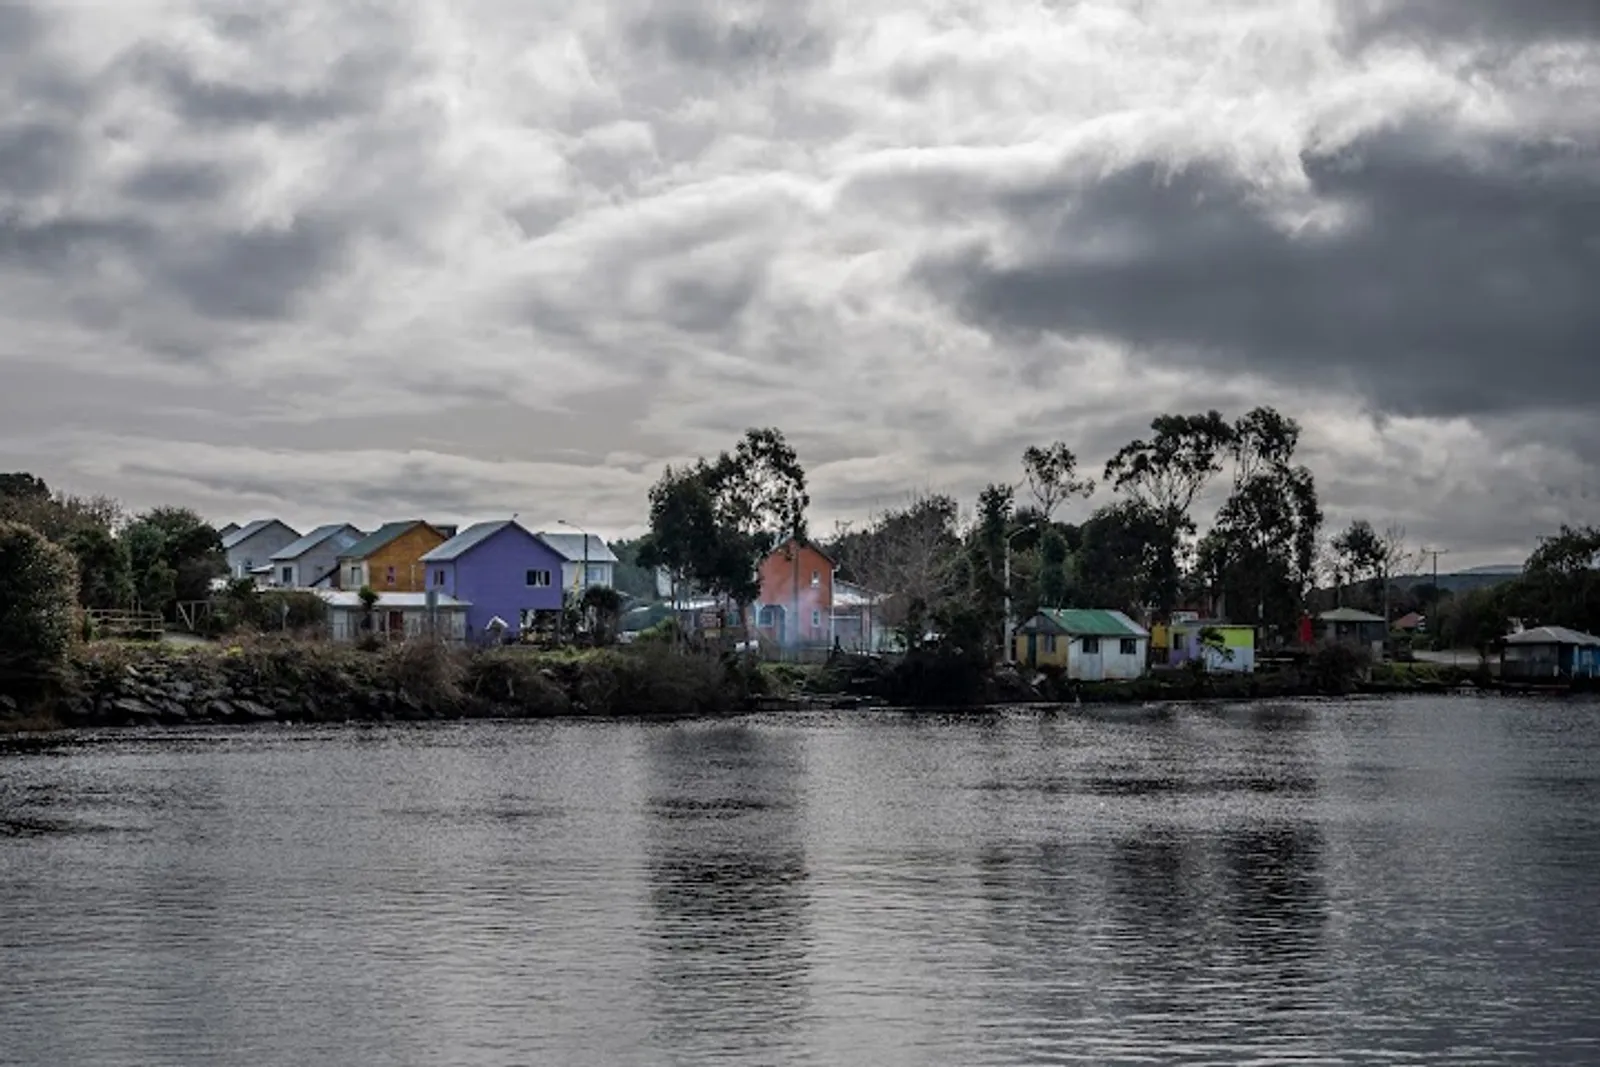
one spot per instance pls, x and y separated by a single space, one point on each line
1346 882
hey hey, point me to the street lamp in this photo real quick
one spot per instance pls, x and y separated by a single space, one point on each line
1010 650
585 533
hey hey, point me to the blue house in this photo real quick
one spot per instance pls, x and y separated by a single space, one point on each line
506 574
1550 653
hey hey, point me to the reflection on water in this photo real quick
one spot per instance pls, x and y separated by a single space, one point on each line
1328 882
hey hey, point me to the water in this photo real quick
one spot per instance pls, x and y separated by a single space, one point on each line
1356 882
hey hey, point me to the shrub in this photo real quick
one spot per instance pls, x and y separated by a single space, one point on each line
38 599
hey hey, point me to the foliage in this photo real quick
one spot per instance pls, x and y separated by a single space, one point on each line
174 554
602 607
908 556
244 607
27 499
631 577
38 592
1052 476
1337 667
713 522
1364 553
105 571
1123 559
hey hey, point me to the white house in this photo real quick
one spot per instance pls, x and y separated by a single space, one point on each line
396 615
313 560
250 547
1087 645
576 550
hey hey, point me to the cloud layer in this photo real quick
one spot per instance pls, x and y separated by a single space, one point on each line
466 259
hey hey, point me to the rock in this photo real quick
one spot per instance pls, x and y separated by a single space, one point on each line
248 711
172 713
8 705
219 711
129 711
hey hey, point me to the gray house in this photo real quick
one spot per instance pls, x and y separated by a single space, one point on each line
313 560
250 547
578 550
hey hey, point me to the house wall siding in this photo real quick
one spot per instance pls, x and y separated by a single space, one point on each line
257 551
492 577
778 573
404 554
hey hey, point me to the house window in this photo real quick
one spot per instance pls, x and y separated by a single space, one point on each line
1049 642
538 579
1130 646
816 619
596 575
438 577
1091 646
1179 641
388 576
287 576
816 579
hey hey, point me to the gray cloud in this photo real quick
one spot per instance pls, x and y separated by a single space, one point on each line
466 259
1457 280
1486 22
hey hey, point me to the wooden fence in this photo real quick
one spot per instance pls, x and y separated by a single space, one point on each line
136 625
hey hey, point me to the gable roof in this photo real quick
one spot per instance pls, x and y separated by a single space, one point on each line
569 546
383 535
804 543
1348 615
243 533
1092 622
472 537
1554 635
315 538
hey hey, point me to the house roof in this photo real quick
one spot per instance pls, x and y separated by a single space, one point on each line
1348 615
314 539
851 595
383 535
1410 621
349 598
467 540
569 546
242 534
1554 635
805 542
1092 622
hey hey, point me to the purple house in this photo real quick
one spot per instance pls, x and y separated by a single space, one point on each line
503 571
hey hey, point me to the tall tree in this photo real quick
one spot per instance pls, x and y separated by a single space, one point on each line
1164 474
1123 561
105 572
907 555
38 591
1376 555
1052 476
174 554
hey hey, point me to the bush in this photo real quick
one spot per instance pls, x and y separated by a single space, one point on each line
1337 667
38 602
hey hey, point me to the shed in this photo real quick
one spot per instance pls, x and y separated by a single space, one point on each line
396 616
1550 653
1350 626
1184 641
1090 645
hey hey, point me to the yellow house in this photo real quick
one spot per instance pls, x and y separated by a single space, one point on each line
390 560
1224 647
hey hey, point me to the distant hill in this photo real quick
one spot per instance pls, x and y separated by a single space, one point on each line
1465 581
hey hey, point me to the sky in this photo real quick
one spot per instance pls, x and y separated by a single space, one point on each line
457 259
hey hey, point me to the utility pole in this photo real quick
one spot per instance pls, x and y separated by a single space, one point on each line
1435 553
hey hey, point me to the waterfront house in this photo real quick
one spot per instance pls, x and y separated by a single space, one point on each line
314 559
1223 647
395 616
503 572
586 560
1349 626
1550 653
250 547
1088 645
795 606
390 559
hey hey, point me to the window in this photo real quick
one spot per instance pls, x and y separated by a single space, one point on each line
1179 642
816 579
286 576
596 575
538 579
1091 646
388 576
816 619
1130 646
1049 642
438 577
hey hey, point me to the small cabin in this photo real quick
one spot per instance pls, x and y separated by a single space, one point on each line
1223 647
1550 654
1087 645
1348 626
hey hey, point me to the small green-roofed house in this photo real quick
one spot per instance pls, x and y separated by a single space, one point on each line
1087 644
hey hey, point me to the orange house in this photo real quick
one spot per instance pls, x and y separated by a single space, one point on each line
390 560
796 605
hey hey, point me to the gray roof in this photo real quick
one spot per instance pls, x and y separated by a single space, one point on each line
315 538
1348 615
1554 635
250 529
569 546
384 534
467 540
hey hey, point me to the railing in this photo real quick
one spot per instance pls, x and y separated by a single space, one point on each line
135 625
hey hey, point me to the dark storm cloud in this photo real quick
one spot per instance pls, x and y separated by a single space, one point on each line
1459 282
175 183
255 274
757 35
355 84
35 157
1486 22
